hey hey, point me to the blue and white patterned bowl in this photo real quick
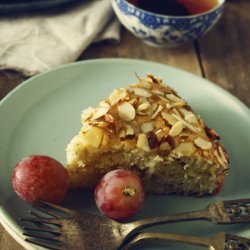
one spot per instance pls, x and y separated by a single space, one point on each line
165 31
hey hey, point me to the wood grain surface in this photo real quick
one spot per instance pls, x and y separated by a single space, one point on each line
222 56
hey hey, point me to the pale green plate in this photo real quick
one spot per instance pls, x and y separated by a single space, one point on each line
43 114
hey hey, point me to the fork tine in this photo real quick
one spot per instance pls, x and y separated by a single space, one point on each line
51 221
44 237
45 230
46 211
44 244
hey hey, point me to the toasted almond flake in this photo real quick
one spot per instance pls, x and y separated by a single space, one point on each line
169 106
186 124
158 79
117 95
135 101
94 136
144 106
168 117
100 124
101 111
129 130
176 129
191 118
126 111
188 115
149 79
185 148
218 157
86 128
145 84
87 113
212 134
174 98
158 110
165 146
109 118
203 144
142 142
140 91
146 127
222 154
164 99
179 104
162 133
158 92
122 134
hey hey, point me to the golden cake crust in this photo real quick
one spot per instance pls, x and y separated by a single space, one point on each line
148 128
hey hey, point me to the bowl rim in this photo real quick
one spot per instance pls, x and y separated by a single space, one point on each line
220 5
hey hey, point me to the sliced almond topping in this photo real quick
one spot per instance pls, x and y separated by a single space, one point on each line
146 127
179 104
188 115
176 129
152 140
126 111
135 101
158 110
129 131
140 91
94 136
212 133
109 118
144 106
100 124
203 144
169 106
222 153
186 124
87 113
185 148
168 117
101 110
86 127
122 134
117 95
142 142
165 146
174 98
148 79
191 118
164 99
161 133
220 160
157 92
145 83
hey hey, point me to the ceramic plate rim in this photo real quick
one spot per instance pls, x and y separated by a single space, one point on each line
10 227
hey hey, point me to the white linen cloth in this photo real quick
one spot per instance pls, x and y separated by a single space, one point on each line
36 43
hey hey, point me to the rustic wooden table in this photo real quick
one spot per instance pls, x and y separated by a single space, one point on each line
222 56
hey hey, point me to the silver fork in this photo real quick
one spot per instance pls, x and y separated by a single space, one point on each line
78 230
221 241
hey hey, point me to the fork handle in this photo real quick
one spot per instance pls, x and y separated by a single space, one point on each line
192 240
186 216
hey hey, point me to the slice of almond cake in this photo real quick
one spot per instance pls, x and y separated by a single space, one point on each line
149 129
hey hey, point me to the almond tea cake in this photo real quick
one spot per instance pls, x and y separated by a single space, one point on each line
149 129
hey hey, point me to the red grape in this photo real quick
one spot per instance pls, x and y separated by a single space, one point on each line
119 194
40 177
